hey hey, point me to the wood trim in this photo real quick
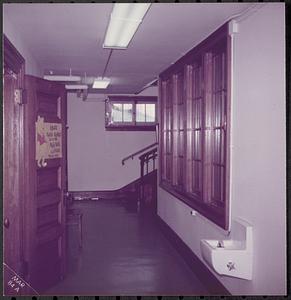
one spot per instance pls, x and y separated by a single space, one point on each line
130 128
132 125
207 278
212 214
12 58
212 208
133 98
228 133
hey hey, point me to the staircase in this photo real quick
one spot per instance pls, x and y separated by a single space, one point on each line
139 195
142 193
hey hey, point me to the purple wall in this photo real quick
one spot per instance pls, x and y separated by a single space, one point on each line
94 154
258 162
31 65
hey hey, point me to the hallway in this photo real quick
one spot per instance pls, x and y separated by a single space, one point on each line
124 253
172 104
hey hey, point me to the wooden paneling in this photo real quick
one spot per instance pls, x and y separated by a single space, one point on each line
47 215
47 271
49 198
47 180
47 104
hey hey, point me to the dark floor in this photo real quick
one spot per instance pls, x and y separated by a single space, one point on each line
124 253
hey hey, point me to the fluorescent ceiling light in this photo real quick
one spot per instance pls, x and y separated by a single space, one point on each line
62 78
124 21
76 86
101 83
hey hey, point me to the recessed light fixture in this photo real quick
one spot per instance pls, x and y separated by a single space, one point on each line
124 21
76 86
101 83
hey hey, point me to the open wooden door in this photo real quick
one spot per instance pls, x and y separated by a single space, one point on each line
46 182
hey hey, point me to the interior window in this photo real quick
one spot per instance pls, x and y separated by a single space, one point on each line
194 129
130 113
145 112
116 112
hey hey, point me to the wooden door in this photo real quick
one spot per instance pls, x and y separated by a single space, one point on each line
13 168
45 131
12 196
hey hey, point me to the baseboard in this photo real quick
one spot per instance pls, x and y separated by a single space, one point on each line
213 285
112 194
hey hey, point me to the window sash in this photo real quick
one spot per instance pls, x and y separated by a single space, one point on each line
123 106
125 123
194 131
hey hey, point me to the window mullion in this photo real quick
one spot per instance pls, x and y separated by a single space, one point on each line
207 145
189 127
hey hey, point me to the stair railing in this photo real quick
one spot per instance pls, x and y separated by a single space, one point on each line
138 152
145 160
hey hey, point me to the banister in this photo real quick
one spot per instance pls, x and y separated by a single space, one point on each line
137 152
149 155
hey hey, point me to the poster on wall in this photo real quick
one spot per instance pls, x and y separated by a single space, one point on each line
48 141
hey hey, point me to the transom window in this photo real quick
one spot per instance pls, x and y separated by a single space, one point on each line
131 113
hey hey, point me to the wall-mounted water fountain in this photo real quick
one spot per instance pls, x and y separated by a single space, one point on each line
233 257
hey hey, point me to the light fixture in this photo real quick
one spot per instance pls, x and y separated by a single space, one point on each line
124 21
62 78
101 83
76 87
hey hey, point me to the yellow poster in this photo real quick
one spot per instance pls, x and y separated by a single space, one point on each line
48 141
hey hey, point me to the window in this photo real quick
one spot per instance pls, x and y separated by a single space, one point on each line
122 113
145 112
194 128
130 113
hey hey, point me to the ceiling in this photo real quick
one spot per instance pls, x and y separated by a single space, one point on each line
64 36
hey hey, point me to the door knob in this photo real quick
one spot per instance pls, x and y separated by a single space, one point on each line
6 222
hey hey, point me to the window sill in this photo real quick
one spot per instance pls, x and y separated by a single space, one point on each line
210 213
131 128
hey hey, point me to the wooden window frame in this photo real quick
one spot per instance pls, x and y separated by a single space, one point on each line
203 201
134 125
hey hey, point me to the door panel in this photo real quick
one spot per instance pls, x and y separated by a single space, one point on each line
46 181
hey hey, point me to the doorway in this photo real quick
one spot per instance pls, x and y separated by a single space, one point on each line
35 180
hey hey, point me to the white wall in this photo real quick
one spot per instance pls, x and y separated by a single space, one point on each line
258 160
94 154
12 33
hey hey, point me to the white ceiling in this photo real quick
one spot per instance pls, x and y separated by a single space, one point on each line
64 36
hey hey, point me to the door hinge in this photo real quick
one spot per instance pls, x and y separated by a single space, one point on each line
20 96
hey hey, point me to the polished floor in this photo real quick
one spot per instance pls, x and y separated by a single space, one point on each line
124 253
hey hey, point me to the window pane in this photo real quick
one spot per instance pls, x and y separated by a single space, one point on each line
150 112
117 112
127 112
140 113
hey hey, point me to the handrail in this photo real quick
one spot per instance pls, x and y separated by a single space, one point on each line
148 154
138 152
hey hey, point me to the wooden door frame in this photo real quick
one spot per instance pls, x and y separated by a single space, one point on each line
15 62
